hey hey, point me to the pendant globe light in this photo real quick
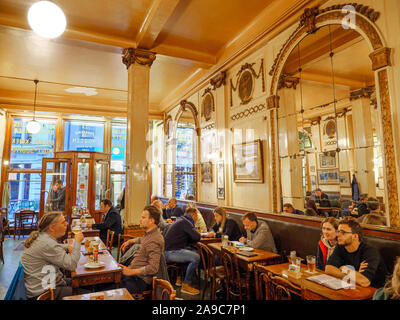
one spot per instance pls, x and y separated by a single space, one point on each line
47 19
33 126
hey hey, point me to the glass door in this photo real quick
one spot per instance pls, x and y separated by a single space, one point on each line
101 184
82 184
55 186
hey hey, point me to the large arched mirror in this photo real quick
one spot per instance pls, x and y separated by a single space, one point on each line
329 129
186 142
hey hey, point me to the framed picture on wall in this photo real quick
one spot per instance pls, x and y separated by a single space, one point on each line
206 172
328 177
344 179
247 162
220 180
327 160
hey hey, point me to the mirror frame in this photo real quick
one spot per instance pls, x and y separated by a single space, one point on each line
380 55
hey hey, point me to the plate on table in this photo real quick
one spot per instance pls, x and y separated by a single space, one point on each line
94 265
246 249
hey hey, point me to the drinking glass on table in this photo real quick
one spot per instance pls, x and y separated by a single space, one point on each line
311 264
76 229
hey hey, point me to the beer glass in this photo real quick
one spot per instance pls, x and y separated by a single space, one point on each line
311 264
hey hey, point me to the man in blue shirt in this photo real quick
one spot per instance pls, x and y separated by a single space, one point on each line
178 240
172 209
288 208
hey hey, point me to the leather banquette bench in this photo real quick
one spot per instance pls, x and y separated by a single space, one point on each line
302 235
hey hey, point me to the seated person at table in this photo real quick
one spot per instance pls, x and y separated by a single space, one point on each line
328 241
172 209
288 208
259 235
162 225
375 211
391 290
200 223
310 203
138 276
111 221
59 197
178 240
43 257
361 207
352 252
321 198
224 225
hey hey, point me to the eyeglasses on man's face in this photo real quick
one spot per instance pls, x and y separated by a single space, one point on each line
342 232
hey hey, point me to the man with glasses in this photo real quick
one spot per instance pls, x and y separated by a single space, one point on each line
353 253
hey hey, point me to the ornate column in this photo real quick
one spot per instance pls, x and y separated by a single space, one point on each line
363 140
138 63
381 61
291 168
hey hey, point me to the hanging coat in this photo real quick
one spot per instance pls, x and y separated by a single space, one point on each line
355 190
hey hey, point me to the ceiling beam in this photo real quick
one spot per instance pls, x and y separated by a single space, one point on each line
159 13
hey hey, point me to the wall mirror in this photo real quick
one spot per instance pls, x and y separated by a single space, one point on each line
329 127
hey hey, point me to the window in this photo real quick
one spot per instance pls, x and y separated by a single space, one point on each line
185 181
84 136
27 149
118 146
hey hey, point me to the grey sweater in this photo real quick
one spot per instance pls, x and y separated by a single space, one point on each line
42 261
261 238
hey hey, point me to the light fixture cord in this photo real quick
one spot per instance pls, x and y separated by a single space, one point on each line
34 101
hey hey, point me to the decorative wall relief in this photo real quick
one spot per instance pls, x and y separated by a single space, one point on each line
245 82
207 105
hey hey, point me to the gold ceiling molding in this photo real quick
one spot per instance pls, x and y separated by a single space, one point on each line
362 93
218 80
245 84
248 112
380 58
143 57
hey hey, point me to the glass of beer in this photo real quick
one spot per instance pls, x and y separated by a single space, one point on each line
311 264
87 244
76 229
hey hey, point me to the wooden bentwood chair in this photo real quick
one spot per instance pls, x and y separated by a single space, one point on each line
162 290
48 295
110 239
275 287
25 220
235 282
211 271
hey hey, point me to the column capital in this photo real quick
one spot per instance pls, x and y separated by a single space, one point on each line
272 102
140 56
380 58
362 93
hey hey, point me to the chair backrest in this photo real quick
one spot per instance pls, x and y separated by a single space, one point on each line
232 274
282 289
207 259
110 239
121 239
48 295
16 290
163 290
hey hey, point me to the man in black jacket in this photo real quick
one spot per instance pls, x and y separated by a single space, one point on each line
180 235
111 221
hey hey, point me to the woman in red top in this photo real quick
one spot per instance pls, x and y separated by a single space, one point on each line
328 241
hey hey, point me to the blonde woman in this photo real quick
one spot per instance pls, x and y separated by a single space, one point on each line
43 255
391 290
328 241
199 224
224 225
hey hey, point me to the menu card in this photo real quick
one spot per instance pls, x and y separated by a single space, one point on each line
330 282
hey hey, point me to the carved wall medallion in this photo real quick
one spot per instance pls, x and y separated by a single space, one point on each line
245 82
330 129
140 56
207 105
